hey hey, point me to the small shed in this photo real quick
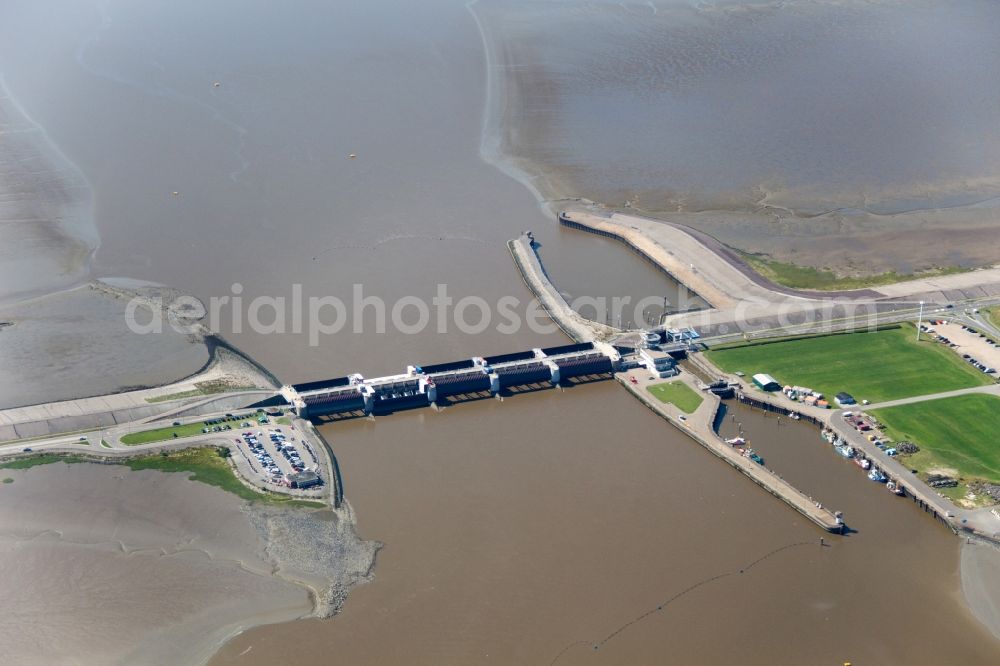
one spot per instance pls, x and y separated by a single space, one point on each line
766 382
845 399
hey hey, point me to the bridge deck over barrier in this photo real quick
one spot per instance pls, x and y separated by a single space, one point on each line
421 386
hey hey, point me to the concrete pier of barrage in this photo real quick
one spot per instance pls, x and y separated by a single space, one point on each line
590 358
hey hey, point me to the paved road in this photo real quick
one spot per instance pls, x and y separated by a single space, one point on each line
91 444
992 389
983 520
983 323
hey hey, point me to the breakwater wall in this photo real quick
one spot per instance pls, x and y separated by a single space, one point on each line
332 466
567 220
577 328
762 476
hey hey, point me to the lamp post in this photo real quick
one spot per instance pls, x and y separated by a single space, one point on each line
920 320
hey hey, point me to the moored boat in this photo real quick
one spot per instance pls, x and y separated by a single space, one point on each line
845 450
863 462
877 476
752 455
895 488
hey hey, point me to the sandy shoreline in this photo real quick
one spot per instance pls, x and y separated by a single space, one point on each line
980 569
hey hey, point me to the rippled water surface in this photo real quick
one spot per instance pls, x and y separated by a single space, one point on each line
810 104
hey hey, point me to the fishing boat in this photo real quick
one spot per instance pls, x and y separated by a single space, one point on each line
895 488
845 450
877 476
752 455
736 441
863 462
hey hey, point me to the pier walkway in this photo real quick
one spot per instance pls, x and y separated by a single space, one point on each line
983 522
576 327
699 425
745 303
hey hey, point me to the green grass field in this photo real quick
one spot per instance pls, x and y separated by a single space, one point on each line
161 434
187 430
678 394
877 366
959 433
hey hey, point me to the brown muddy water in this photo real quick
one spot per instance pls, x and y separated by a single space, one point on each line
515 530
100 565
851 134
512 530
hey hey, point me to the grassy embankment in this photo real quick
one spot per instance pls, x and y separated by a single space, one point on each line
882 365
41 459
956 436
204 465
190 430
994 316
202 388
807 277
679 394
208 466
161 434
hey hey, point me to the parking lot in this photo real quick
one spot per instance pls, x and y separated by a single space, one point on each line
977 349
274 453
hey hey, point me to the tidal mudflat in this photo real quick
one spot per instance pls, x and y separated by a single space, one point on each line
856 136
103 565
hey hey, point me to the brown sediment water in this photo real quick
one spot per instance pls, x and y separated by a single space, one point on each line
788 129
104 566
513 531
520 530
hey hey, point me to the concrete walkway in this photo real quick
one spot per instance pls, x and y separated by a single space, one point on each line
993 389
699 425
576 327
686 258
